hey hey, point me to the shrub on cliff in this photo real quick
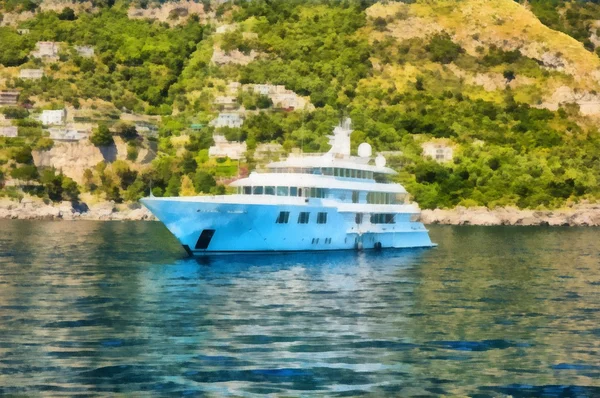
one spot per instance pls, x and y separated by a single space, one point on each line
102 136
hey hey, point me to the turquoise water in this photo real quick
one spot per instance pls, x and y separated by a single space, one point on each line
97 308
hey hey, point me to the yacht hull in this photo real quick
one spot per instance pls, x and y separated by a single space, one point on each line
209 227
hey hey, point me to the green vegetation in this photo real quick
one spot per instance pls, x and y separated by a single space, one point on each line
572 17
400 93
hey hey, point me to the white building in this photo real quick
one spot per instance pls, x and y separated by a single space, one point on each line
51 117
31 74
23 31
226 101
234 87
226 119
46 49
147 129
226 28
439 150
9 131
67 134
289 101
268 151
8 97
223 148
85 51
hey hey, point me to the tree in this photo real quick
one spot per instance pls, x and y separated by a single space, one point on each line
67 14
380 24
203 182
509 75
442 49
23 155
263 102
15 113
187 187
126 130
27 172
173 186
102 136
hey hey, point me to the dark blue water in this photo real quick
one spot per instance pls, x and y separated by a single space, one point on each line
97 308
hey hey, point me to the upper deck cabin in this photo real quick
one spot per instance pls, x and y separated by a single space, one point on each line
334 175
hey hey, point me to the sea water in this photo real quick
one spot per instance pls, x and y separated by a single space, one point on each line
98 308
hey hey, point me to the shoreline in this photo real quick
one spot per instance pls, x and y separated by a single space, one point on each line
578 215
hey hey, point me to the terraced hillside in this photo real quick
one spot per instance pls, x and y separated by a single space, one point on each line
510 89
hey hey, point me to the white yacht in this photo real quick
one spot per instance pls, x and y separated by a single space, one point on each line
332 201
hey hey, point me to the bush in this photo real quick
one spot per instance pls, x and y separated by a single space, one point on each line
442 49
44 144
102 136
15 113
132 151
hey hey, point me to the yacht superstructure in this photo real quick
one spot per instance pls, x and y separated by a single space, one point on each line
333 201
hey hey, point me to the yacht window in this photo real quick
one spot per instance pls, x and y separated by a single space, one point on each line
321 218
382 218
293 191
269 190
359 174
303 217
336 172
400 197
313 192
354 196
353 173
283 217
347 172
247 190
282 191
257 190
358 218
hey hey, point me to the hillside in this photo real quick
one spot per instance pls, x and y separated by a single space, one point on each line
510 89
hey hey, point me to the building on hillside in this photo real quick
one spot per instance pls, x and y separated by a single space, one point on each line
439 150
226 28
85 51
9 131
237 57
68 134
268 151
31 74
53 117
227 102
147 129
234 87
223 148
249 35
288 101
8 97
226 119
23 31
46 49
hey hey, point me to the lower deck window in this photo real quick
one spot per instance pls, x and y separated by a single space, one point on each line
358 218
382 218
303 217
321 218
283 217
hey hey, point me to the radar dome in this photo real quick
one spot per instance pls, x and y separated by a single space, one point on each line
380 161
364 150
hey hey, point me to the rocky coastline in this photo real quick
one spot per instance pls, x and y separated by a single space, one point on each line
578 215
29 209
